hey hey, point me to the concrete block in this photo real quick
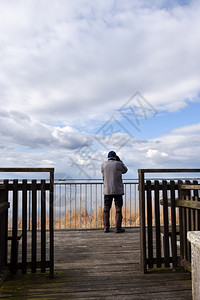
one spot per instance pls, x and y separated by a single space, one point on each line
194 238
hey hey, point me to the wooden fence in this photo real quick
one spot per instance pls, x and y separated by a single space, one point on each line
41 248
189 212
168 209
4 205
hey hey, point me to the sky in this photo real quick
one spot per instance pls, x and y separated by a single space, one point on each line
80 78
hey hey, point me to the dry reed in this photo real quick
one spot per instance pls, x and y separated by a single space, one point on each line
84 220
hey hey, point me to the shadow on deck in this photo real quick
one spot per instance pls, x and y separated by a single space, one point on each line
94 265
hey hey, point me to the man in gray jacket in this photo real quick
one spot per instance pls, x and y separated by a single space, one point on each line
112 171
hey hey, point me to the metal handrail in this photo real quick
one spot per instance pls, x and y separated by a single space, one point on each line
78 204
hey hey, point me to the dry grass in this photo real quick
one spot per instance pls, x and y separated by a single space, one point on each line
82 219
94 219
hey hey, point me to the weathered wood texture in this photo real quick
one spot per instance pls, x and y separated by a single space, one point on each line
95 265
157 216
189 205
14 187
163 206
17 192
38 191
4 206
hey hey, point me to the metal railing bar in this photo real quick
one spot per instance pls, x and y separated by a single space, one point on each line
130 204
65 207
85 206
125 202
75 205
70 207
80 204
101 204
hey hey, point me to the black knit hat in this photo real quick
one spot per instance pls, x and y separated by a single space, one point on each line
112 154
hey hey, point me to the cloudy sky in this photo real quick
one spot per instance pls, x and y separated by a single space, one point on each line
80 78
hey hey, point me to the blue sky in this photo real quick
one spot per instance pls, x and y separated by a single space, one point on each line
166 121
67 70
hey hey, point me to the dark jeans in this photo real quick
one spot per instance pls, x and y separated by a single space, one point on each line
109 198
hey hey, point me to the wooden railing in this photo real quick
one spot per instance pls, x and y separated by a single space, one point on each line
4 205
42 203
189 211
165 218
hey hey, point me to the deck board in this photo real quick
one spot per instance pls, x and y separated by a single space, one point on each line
94 265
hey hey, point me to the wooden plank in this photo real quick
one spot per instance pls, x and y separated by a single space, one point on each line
24 227
37 170
29 186
193 186
181 223
2 187
195 212
185 224
142 171
51 222
188 204
142 223
173 226
99 266
14 242
149 223
6 221
160 187
166 223
43 227
188 226
157 224
34 226
4 207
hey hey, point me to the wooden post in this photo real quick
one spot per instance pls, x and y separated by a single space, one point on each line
166 224
14 242
24 226
4 205
181 221
149 223
34 226
173 221
43 227
157 223
142 222
51 223
5 198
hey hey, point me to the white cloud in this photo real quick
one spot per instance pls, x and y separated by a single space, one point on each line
19 130
180 148
74 62
70 138
69 58
154 154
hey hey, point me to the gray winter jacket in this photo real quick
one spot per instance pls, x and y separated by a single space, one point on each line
112 171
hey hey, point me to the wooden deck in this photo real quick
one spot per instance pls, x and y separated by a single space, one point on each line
94 265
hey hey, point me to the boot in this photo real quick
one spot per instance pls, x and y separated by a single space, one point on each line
118 220
106 221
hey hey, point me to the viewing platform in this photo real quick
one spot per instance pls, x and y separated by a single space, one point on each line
53 244
90 264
